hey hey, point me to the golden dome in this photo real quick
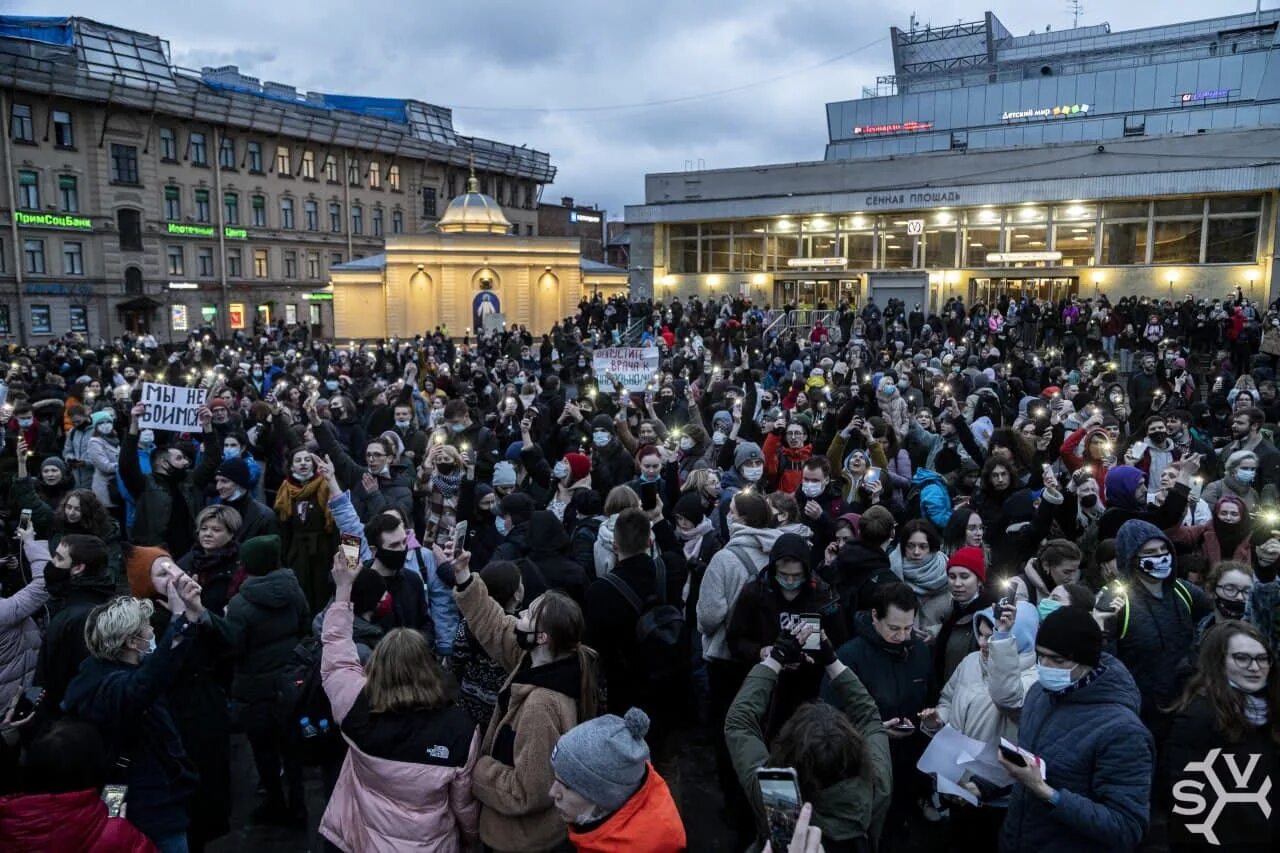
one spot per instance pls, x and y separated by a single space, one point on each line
474 213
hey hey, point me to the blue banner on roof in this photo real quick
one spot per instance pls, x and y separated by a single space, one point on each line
391 109
32 28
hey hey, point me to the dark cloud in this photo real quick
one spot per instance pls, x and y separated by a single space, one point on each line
506 56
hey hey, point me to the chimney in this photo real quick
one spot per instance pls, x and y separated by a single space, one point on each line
566 201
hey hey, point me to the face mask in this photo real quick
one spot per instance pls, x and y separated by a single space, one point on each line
600 438
1088 501
331 384
686 443
789 585
718 439
1157 437
56 579
403 424
1054 680
753 472
257 374
1246 475
1047 606
25 423
105 428
526 640
500 524
230 452
1157 567
561 470
393 560
302 472
147 438
812 490
648 478
457 428
1231 608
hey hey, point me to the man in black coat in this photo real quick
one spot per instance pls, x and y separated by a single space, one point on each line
232 482
861 567
77 579
611 465
405 603
471 437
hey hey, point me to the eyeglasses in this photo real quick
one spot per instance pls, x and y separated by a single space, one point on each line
1243 659
1232 591
374 455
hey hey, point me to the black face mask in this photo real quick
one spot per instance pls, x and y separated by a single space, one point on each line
445 469
1088 501
526 640
56 580
1158 437
1231 608
393 560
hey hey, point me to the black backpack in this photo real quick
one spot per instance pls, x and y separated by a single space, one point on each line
661 653
300 694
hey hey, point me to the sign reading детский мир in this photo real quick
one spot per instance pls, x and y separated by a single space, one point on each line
171 407
630 367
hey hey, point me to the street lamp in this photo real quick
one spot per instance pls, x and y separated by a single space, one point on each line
1252 275
1097 283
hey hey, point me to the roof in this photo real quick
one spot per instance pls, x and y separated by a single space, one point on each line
372 262
473 212
596 268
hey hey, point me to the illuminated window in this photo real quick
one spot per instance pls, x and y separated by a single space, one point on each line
375 175
282 160
309 165
393 178
260 266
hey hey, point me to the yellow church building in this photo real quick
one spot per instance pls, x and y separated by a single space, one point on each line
472 273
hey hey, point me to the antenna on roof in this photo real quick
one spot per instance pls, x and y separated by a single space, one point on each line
1076 9
912 25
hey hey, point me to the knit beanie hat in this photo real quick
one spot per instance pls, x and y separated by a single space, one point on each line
237 471
1072 633
972 559
261 554
579 466
137 568
603 423
747 451
604 759
513 451
103 416
689 507
504 474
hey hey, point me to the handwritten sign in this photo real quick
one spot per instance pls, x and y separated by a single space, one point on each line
171 407
633 367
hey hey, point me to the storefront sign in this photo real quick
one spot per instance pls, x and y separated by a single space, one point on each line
80 291
817 262
903 127
172 408
910 198
1205 95
235 312
178 317
183 285
578 216
319 296
205 231
631 367
1046 112
1022 257
53 220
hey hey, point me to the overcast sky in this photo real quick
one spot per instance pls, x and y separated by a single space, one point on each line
536 73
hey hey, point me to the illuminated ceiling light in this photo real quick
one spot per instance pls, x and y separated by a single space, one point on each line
1022 236
893 246
1028 214
899 222
1079 230
819 224
976 245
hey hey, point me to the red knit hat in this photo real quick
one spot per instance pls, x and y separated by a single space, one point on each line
579 466
972 559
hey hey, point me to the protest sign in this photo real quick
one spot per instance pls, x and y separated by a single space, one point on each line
171 407
632 367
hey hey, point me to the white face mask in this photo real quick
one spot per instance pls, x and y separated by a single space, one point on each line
686 443
753 473
147 437
718 438
105 428
812 490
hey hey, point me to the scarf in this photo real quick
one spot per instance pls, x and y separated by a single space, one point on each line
924 576
693 538
315 490
1255 709
447 485
213 561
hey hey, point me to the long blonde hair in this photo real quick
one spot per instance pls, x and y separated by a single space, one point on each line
402 674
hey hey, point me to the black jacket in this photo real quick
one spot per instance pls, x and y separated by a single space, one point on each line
408 605
267 617
611 466
858 572
256 518
549 549
63 648
898 676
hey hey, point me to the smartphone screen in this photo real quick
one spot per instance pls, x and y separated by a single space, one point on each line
1013 756
814 621
648 495
459 537
873 475
780 795
351 549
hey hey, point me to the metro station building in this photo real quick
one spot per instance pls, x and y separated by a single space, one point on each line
1144 162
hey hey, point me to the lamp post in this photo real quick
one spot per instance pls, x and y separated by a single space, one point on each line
1097 282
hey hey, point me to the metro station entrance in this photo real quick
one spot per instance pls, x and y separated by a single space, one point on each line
990 290
811 292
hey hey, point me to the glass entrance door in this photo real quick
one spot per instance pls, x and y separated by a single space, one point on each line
812 292
988 291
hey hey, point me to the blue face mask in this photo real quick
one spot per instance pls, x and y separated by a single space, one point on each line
648 478
600 438
500 525
25 423
1246 475
331 384
790 585
1054 680
1047 606
457 428
230 452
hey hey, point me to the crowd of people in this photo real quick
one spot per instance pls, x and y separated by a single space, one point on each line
484 592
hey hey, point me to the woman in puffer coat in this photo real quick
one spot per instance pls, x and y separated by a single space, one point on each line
19 636
103 455
406 781
982 700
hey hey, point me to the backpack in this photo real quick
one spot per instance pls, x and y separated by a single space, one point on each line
299 694
1180 591
660 630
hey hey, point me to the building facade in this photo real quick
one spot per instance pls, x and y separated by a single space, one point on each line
567 219
1085 161
140 196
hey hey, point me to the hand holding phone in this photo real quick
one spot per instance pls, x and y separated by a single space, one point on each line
780 796
351 549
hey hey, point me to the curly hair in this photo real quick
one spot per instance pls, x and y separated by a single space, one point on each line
94 518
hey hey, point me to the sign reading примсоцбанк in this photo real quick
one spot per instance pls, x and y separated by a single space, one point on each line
631 367
171 407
